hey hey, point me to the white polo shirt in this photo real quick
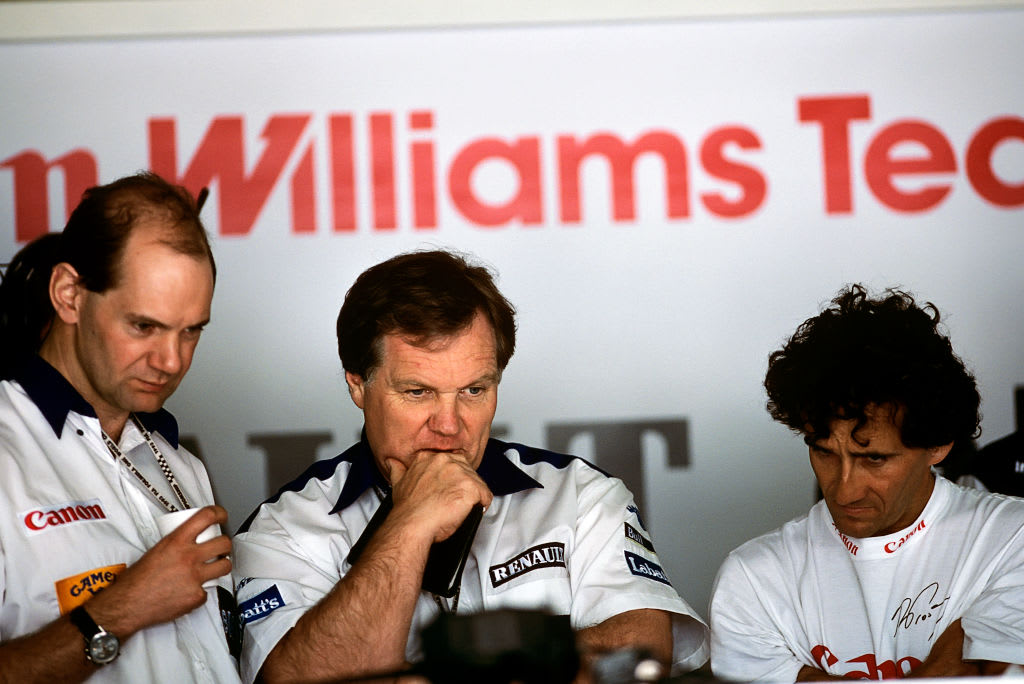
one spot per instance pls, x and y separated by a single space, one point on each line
71 518
872 608
559 535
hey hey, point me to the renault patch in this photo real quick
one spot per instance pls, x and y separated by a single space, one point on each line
642 567
550 555
261 605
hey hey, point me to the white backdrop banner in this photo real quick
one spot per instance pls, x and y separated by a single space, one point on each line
663 202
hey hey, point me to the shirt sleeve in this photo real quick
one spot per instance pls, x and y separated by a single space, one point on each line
614 568
280 574
3 588
747 641
994 624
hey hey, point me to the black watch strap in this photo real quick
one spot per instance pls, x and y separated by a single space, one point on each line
81 619
101 647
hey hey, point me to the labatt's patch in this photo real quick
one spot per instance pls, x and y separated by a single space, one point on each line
642 567
75 590
261 605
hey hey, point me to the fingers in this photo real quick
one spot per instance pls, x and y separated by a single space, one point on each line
206 516
213 548
214 569
396 470
208 546
434 493
438 474
202 519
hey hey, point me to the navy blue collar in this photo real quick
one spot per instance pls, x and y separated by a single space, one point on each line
500 475
56 397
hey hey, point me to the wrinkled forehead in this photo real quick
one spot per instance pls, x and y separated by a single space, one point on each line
872 421
438 342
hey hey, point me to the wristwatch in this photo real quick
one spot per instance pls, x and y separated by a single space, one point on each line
101 647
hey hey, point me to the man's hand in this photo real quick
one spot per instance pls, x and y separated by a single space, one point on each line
363 624
809 673
166 582
435 493
946 658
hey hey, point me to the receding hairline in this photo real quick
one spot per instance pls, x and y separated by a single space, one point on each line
157 224
436 341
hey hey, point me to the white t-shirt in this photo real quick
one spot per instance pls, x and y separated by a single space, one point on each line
872 608
559 535
71 518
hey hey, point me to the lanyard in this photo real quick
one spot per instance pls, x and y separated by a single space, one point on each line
166 469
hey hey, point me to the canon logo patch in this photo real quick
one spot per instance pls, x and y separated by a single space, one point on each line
42 519
892 546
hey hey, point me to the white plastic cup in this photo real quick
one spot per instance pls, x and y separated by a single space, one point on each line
168 522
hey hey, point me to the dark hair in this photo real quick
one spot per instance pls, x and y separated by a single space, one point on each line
885 352
425 295
98 229
25 308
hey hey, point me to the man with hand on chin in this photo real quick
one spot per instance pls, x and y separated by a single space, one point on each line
424 338
89 459
897 571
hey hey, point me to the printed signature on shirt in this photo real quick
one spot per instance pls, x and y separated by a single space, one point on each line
925 607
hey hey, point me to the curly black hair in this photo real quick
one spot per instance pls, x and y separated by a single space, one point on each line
885 351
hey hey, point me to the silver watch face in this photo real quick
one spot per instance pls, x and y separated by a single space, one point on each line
103 648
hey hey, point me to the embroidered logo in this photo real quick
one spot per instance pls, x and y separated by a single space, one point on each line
636 511
75 590
550 555
261 605
866 666
41 520
633 535
640 566
891 547
850 546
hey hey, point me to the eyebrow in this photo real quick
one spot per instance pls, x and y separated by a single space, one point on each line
856 454
143 318
489 377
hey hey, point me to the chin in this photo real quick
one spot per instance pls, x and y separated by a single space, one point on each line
858 530
148 405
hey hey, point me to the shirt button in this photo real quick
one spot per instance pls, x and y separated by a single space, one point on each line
80 432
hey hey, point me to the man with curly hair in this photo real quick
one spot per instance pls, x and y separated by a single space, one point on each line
897 570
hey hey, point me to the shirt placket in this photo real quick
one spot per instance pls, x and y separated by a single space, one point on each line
142 510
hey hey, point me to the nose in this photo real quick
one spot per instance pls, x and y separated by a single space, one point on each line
848 487
166 355
445 418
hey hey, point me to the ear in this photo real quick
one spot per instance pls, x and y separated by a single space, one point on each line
356 387
936 454
66 292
